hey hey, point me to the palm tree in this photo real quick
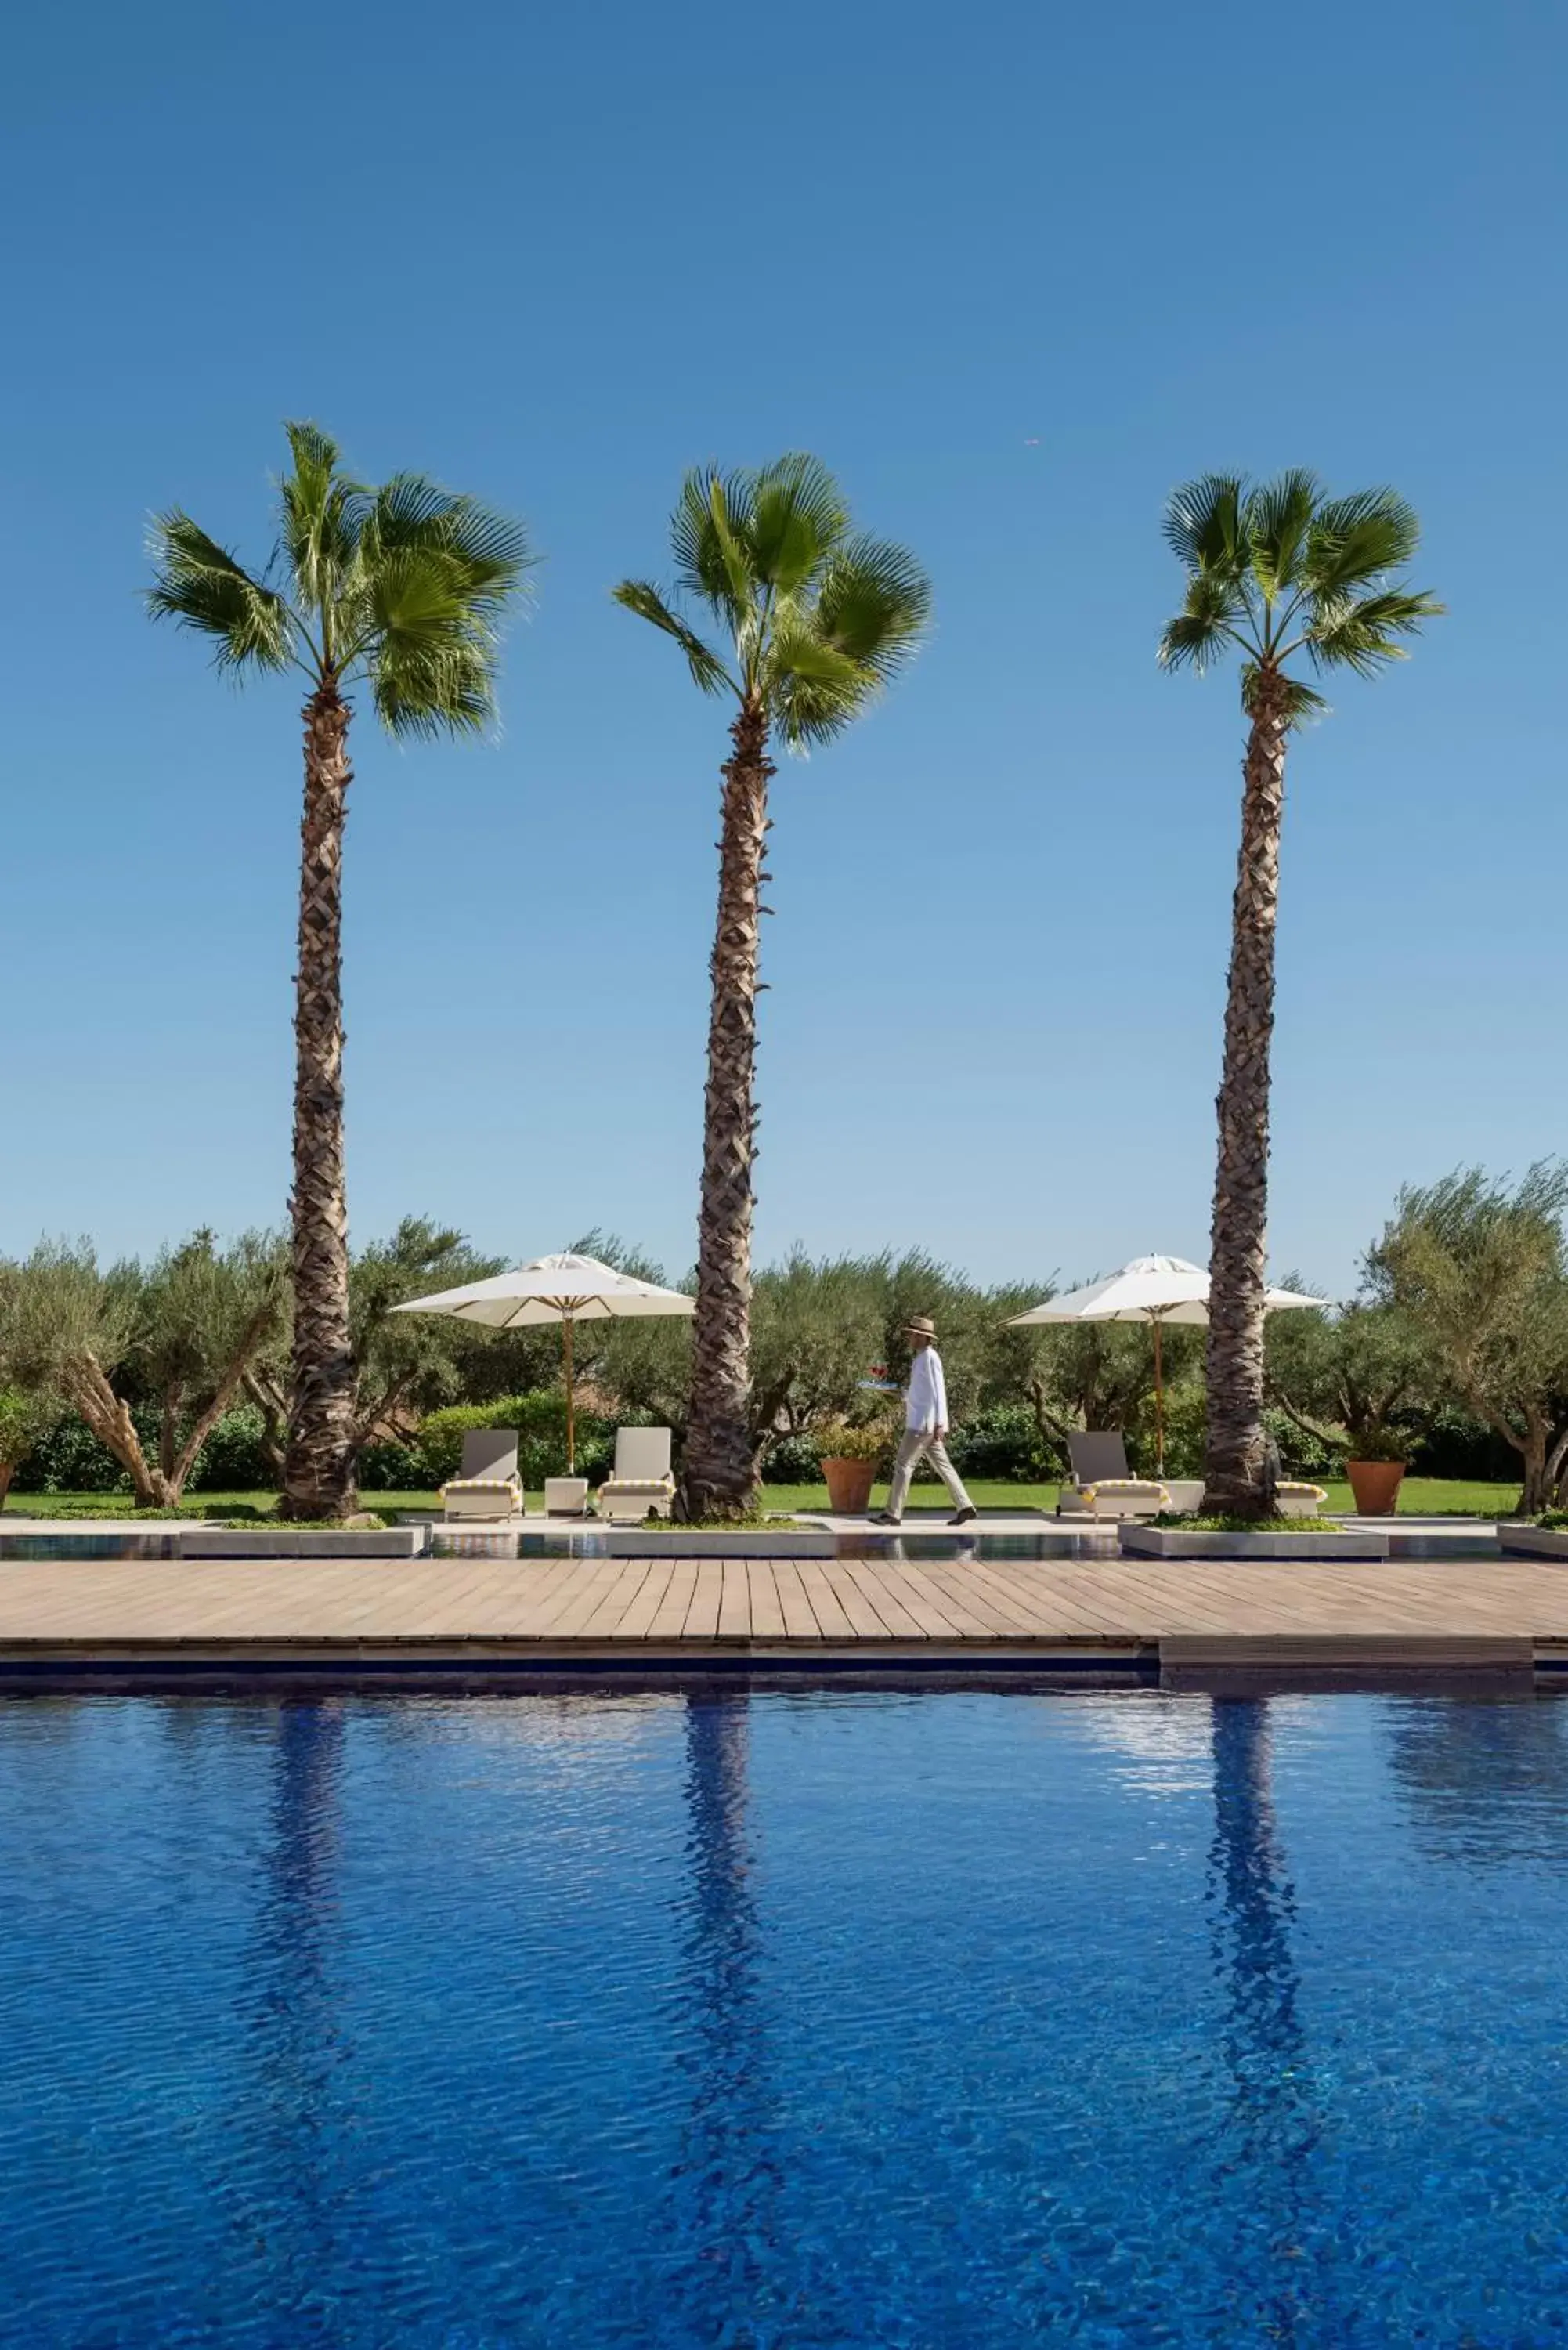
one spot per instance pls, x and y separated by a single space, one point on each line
401 589
818 618
1274 571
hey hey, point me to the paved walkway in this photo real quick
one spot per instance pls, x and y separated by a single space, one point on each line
1478 1611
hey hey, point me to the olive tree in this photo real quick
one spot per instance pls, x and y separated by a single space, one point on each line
177 1335
28 1409
1355 1381
404 1365
1481 1268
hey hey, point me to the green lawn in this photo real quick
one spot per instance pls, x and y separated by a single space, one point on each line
1421 1496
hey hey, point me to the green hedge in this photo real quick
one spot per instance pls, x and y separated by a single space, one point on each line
540 1419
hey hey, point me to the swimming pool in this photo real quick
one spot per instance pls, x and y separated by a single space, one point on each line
783 2020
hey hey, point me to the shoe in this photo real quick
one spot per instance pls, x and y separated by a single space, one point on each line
961 1517
881 1518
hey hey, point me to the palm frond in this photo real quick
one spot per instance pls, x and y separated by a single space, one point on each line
641 596
200 585
798 518
1281 557
813 686
410 513
712 521
425 688
1203 523
874 604
321 515
1360 633
810 709
1357 541
1277 517
432 648
1212 617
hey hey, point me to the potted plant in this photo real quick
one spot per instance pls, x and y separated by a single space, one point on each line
849 1457
1377 1470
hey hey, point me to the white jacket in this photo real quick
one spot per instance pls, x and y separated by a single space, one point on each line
926 1405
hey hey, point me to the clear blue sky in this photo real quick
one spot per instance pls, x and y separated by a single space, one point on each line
1013 271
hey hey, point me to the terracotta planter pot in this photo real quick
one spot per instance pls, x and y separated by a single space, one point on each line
849 1484
1376 1485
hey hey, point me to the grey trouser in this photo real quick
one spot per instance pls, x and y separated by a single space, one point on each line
911 1445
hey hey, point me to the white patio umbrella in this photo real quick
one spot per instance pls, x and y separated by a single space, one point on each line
567 1289
1156 1290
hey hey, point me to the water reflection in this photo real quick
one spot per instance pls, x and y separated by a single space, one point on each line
1271 2127
1484 1783
726 2178
295 2034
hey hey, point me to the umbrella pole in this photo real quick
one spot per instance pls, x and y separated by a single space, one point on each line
571 1423
1159 1405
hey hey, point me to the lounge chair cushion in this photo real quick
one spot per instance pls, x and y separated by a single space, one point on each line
1118 1497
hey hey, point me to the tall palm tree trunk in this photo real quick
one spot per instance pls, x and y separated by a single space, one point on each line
1238 1478
718 1478
319 1466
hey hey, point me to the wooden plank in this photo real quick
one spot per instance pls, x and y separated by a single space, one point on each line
562 1617
799 1616
618 1598
707 1591
938 1613
1001 1618
823 1600
669 1617
101 1603
638 1619
767 1613
735 1605
895 1619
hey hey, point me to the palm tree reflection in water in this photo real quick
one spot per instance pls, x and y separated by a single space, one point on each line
293 2024
1271 2128
727 2178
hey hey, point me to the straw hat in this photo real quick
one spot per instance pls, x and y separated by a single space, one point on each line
920 1326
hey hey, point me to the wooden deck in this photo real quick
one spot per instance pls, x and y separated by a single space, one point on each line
102 1613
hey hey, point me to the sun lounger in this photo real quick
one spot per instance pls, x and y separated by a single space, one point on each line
1102 1486
487 1484
642 1482
1183 1495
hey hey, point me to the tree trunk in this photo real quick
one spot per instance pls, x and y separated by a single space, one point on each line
1557 1469
224 1395
109 1417
719 1476
318 1467
1535 1494
273 1407
7 1470
1237 1472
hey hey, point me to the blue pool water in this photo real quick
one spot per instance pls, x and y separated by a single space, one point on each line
947 2020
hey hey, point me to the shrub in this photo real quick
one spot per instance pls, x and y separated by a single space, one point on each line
1452 1442
1005 1442
793 1460
233 1459
392 1469
1380 1444
540 1419
1300 1455
843 1440
70 1460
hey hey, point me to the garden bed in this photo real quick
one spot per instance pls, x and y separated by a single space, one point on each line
1191 1542
1532 1542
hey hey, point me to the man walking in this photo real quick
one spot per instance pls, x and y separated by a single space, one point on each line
925 1430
